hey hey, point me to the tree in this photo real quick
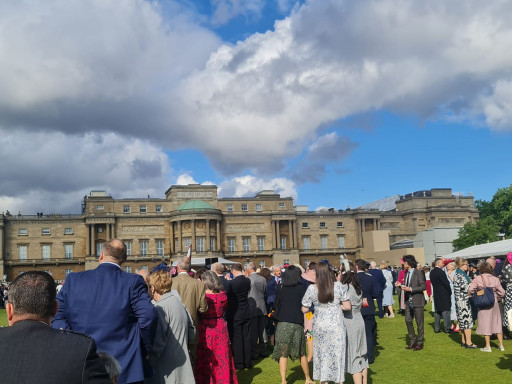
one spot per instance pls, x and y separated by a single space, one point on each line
502 207
484 231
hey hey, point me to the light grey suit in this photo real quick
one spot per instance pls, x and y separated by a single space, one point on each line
258 311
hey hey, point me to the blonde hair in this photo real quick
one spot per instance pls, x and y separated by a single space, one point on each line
161 281
460 261
383 265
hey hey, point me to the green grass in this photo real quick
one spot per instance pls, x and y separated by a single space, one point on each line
442 361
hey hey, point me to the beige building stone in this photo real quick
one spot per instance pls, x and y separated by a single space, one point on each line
267 229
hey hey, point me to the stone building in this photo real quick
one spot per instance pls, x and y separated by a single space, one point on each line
267 229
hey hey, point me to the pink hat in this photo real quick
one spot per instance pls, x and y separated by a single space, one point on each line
509 257
309 275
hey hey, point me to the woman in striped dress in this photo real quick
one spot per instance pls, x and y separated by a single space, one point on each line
461 283
507 278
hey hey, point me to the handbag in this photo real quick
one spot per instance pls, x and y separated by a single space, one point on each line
483 298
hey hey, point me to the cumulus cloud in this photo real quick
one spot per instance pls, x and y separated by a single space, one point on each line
53 171
249 186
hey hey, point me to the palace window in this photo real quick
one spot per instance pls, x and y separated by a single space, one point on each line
45 251
305 225
128 269
230 207
99 248
259 208
306 262
45 231
22 232
261 243
244 207
187 241
68 231
283 243
128 245
67 272
126 209
68 251
231 245
281 205
143 208
305 243
200 244
212 243
339 224
22 252
100 207
323 242
159 247
322 224
247 244
143 247
158 208
341 242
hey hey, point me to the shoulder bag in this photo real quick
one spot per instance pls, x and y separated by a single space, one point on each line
483 298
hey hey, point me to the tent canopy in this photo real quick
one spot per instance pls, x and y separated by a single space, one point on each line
482 251
201 262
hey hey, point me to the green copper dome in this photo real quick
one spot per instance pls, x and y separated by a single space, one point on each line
195 205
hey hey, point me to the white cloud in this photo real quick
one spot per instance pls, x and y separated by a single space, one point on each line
226 10
52 171
497 106
249 186
185 179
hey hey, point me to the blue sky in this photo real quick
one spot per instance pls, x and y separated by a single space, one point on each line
335 103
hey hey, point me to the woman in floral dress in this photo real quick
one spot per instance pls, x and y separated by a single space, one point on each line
461 283
329 332
214 360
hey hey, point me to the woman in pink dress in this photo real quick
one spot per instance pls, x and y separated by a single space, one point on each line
489 319
214 360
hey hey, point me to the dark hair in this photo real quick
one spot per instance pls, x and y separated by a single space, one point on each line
311 266
265 272
324 283
200 272
361 265
236 267
211 281
350 277
115 248
410 259
33 293
291 276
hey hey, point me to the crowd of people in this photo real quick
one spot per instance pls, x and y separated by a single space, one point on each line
177 325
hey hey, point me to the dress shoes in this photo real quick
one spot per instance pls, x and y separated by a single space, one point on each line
411 346
418 347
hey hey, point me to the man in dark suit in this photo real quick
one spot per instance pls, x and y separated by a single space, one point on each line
370 292
114 308
258 310
240 318
413 287
380 280
218 269
442 296
29 344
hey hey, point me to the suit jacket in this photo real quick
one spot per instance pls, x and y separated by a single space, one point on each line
239 298
192 293
370 291
225 283
418 284
441 289
114 308
272 285
379 278
257 295
32 352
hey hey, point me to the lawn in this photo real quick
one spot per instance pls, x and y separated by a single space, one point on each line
442 360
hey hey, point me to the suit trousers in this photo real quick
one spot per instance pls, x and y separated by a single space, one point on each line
379 305
258 336
418 314
446 320
370 327
241 344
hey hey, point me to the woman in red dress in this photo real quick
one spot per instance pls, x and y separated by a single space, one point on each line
214 360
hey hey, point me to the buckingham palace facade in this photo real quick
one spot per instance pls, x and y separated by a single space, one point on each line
267 229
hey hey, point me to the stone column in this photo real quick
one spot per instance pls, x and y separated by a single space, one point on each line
180 237
374 224
173 251
295 235
290 234
218 236
108 232
208 236
274 234
193 241
278 236
93 240
88 240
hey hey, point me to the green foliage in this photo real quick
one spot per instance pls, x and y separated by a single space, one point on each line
502 205
484 231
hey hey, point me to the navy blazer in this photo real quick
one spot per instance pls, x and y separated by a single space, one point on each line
114 308
370 291
380 280
238 301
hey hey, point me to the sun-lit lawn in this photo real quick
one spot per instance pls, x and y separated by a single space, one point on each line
442 360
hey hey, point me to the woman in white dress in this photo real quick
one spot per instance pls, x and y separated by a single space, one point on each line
387 300
329 333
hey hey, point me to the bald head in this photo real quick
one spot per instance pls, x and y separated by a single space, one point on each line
114 251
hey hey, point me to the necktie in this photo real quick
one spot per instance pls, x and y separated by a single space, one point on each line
407 278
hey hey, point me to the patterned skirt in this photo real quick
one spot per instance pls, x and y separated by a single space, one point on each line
289 341
464 316
508 304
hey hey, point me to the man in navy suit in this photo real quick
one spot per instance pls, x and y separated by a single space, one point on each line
114 308
370 291
380 280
